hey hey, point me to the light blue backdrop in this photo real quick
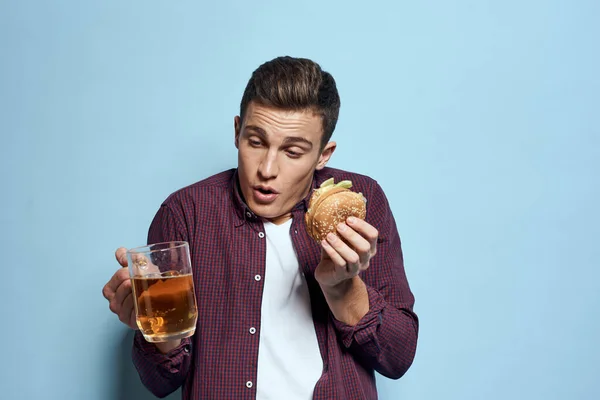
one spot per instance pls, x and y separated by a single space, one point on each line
480 119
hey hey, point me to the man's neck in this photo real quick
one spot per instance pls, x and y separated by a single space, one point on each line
281 219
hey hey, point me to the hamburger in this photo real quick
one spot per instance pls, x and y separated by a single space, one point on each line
331 204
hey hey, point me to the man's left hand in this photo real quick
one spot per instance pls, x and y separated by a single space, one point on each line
340 261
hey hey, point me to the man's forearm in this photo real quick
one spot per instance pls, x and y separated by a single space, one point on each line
348 301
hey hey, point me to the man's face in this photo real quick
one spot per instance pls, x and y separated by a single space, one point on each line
278 152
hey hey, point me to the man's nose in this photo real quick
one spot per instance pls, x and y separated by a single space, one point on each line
268 168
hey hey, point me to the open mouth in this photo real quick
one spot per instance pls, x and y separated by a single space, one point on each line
265 191
264 194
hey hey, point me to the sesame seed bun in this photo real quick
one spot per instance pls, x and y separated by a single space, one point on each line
329 205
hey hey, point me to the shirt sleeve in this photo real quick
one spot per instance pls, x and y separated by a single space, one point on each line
161 373
385 339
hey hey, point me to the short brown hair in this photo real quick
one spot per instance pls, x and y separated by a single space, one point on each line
295 84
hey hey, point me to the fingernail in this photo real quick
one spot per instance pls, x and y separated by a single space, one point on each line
341 227
331 237
351 220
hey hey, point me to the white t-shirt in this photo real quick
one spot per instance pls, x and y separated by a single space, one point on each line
289 359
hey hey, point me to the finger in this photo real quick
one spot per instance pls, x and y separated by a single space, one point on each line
334 256
126 309
123 291
349 256
366 230
358 243
107 292
116 280
121 256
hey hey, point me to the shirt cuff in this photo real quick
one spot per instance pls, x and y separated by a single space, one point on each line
364 332
171 361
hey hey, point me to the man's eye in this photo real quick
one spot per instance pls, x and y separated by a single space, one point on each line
293 154
254 143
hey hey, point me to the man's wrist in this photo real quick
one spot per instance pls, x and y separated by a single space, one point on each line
165 347
341 289
348 300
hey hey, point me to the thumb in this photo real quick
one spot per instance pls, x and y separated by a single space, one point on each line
121 256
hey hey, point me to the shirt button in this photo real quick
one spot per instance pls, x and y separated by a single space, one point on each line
249 384
252 330
257 277
249 214
261 235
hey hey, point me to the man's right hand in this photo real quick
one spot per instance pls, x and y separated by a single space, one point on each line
118 291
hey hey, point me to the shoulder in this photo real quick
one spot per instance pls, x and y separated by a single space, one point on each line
205 192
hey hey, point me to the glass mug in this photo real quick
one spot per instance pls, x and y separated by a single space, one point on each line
163 290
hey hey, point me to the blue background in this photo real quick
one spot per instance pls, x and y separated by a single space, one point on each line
480 119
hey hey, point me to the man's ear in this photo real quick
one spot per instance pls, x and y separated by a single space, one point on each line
237 127
326 154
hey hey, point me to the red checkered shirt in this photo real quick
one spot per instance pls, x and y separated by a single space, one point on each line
228 249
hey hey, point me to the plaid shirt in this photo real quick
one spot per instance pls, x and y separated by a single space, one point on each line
228 249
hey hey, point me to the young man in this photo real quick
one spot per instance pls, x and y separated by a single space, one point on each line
280 316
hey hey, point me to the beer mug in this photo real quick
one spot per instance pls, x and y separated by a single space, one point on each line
163 290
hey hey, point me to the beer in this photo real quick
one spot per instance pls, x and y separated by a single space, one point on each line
165 306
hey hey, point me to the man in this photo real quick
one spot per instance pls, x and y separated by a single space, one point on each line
280 315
